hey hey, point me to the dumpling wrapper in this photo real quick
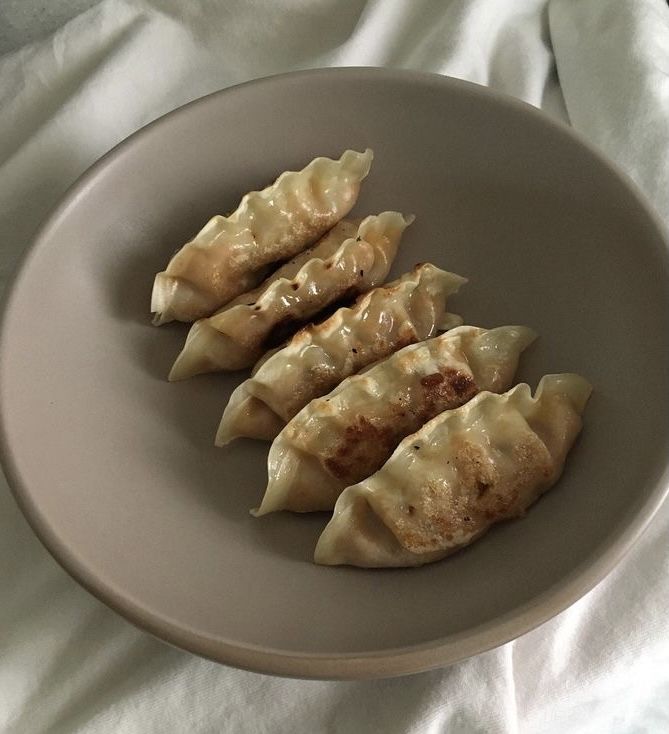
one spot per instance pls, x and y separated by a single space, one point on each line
237 335
466 469
229 255
339 439
320 356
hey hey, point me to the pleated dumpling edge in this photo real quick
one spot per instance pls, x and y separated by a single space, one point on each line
466 469
230 254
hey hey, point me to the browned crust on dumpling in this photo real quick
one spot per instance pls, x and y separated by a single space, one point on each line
323 378
366 444
477 495
444 390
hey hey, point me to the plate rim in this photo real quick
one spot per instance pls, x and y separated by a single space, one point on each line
328 666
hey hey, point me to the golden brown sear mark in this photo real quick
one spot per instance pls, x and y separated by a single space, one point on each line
367 444
479 495
445 390
364 445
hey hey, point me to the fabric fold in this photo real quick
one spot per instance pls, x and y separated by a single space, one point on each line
613 64
70 665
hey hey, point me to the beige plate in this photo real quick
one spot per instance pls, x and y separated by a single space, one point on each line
116 469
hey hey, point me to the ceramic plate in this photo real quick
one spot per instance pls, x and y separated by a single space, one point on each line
116 470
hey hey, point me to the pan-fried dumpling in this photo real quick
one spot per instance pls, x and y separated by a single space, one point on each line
237 335
341 438
320 356
326 246
228 256
466 469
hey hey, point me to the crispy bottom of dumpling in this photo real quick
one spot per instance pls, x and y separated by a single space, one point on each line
448 483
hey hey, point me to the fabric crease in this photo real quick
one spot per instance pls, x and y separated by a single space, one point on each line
70 665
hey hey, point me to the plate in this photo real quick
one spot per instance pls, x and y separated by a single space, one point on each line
116 470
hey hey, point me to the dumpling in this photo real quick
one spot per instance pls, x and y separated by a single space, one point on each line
341 438
326 246
237 335
228 256
466 469
320 356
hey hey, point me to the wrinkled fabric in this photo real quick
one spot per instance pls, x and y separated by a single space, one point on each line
67 663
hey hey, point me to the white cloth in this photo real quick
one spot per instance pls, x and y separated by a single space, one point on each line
67 663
